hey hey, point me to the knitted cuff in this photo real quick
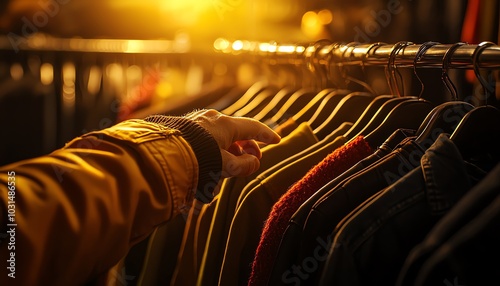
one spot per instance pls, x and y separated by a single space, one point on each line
204 147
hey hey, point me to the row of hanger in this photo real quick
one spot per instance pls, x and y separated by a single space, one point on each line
377 116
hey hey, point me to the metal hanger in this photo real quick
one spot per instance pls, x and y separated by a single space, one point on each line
280 98
374 105
332 99
380 115
345 74
309 111
265 99
408 114
444 117
349 109
478 133
300 98
254 90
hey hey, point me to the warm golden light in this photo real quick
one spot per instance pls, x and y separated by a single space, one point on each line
272 48
300 49
221 44
325 16
163 90
220 69
237 45
310 19
16 71
264 47
46 73
286 49
94 84
69 75
311 24
134 46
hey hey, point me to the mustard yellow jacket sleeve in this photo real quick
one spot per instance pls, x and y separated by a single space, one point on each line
71 215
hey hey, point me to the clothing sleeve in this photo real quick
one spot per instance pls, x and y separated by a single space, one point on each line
71 215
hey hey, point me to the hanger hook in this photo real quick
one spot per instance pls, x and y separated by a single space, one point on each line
420 53
364 59
319 45
349 78
310 57
347 47
306 60
342 69
367 53
488 89
328 60
392 66
446 63
330 54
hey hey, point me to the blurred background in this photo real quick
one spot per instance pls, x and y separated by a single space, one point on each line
71 66
262 20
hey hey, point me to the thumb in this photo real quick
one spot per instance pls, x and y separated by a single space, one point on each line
239 166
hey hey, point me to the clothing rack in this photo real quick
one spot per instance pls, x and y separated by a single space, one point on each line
34 54
366 54
333 53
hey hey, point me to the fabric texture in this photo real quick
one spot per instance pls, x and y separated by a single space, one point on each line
470 257
462 214
160 259
333 165
292 239
345 197
204 146
370 245
246 226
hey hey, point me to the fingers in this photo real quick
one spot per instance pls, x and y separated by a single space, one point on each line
248 128
228 129
245 147
239 166
238 138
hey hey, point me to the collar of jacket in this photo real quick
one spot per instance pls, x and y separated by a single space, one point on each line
445 174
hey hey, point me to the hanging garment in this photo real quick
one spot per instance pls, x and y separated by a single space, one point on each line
155 259
461 264
333 165
371 244
300 139
247 223
231 188
185 273
319 145
291 242
286 127
338 202
476 242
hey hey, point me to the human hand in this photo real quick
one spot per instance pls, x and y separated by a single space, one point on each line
238 139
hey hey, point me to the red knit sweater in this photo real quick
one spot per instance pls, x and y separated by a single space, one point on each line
332 166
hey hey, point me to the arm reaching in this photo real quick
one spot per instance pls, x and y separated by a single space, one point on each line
74 213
